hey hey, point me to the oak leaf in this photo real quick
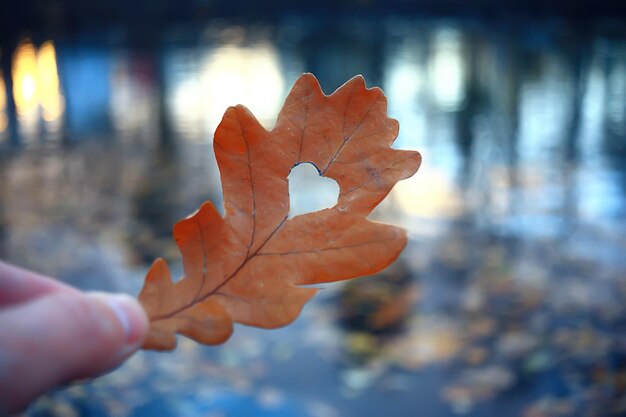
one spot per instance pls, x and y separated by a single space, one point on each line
253 265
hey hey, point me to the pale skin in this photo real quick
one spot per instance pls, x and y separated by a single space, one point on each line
52 334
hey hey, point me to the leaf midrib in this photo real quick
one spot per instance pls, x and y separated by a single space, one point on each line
197 300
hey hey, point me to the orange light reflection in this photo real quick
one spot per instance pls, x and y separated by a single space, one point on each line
25 78
4 121
50 98
36 89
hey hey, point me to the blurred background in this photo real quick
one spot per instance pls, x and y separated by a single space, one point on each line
510 299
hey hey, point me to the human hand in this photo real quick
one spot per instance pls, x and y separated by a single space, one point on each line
51 333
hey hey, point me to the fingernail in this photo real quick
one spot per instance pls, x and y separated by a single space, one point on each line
129 313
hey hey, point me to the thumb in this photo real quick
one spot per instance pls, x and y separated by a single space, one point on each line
63 336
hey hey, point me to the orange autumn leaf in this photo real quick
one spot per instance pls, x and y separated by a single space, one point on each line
253 266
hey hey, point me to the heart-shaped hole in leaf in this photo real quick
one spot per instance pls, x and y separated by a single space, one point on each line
309 191
253 265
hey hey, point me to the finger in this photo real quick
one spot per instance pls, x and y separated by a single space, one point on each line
18 285
63 336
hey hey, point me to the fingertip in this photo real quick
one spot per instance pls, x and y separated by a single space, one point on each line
65 336
130 315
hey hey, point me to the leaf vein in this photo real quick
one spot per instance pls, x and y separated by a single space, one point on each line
317 251
375 176
347 138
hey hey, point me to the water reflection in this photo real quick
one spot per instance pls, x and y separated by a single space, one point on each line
133 86
446 69
251 75
203 82
431 196
615 109
4 119
50 98
36 92
509 299
25 89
